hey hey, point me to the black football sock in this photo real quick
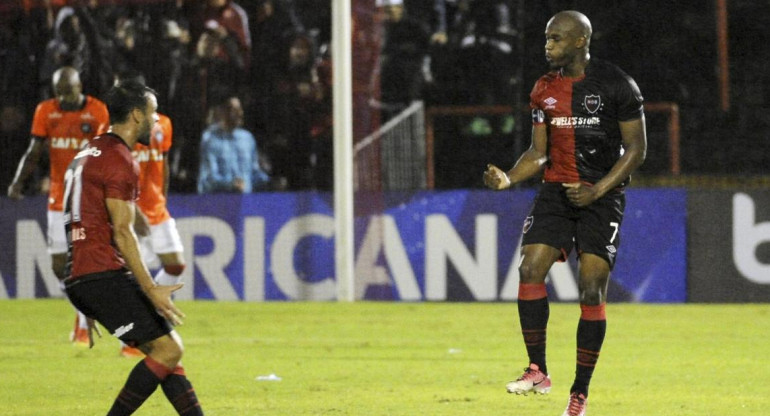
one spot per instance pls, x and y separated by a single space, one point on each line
181 394
141 383
590 336
533 317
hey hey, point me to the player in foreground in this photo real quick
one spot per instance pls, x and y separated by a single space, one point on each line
589 135
106 277
65 123
162 249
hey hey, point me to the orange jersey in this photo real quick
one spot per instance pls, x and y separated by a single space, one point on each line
152 178
67 132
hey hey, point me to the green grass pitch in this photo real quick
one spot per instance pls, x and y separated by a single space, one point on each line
411 359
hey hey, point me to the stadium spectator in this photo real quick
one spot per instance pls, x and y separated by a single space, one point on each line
105 268
64 124
219 64
402 60
313 17
486 52
92 35
42 17
589 134
229 160
126 39
229 22
432 13
17 84
322 124
301 144
271 30
67 48
215 66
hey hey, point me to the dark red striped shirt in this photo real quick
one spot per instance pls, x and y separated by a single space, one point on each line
104 169
582 116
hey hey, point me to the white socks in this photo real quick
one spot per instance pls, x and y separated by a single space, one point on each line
164 279
82 322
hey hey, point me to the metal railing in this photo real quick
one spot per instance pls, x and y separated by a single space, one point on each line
669 109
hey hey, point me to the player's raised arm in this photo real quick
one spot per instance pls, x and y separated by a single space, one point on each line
529 164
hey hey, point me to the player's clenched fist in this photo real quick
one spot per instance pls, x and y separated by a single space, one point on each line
495 178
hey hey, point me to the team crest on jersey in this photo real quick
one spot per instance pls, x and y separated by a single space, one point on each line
85 127
159 136
592 103
527 224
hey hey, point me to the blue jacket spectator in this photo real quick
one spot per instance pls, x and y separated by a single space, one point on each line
229 159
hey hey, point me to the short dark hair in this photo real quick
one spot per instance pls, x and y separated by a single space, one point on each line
124 97
128 75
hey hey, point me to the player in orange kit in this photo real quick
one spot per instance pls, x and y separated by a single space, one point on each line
65 124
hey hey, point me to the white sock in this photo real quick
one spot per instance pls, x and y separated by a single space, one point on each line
164 279
82 322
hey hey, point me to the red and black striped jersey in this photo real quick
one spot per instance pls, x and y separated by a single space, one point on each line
104 169
582 115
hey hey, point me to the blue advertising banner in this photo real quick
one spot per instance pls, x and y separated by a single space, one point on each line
729 247
455 245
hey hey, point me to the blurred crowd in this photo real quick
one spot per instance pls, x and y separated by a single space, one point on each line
274 56
194 53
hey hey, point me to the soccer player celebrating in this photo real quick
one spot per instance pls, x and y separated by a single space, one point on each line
106 277
65 123
589 135
162 249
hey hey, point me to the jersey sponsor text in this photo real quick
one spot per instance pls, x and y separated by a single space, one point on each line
146 155
68 142
575 122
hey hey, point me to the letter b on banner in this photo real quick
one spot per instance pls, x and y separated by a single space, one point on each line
747 236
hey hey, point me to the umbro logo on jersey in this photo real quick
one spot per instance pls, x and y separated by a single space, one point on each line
550 102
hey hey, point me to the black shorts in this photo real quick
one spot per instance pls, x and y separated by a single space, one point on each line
594 229
116 301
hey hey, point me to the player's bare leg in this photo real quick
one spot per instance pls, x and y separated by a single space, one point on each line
534 310
168 275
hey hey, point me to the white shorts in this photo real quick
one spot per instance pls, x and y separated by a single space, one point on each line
57 238
164 238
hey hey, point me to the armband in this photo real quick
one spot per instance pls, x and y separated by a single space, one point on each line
538 116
